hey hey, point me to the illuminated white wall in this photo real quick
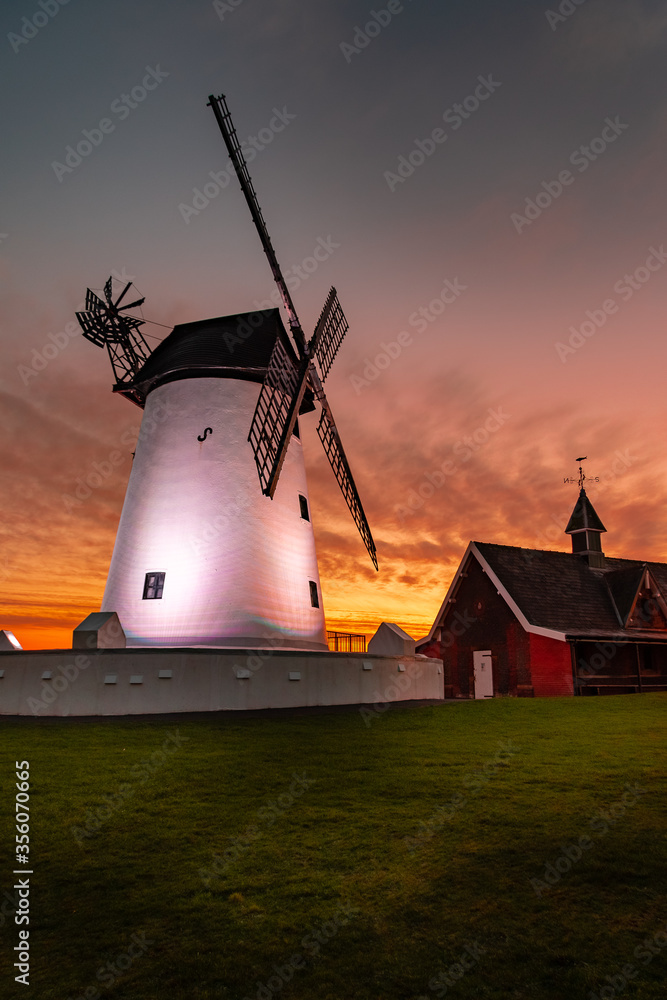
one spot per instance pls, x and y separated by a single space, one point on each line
156 681
237 564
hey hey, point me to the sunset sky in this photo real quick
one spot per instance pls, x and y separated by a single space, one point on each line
489 180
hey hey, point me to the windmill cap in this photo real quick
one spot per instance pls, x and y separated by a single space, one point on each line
237 346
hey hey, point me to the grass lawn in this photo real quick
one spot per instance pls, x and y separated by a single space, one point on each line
202 859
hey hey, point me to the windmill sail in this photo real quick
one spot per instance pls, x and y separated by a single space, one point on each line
329 332
333 446
226 125
285 383
275 415
105 324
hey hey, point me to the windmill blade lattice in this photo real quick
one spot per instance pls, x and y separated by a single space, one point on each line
330 438
105 324
92 322
276 413
226 125
329 332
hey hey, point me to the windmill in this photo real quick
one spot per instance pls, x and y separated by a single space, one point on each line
202 556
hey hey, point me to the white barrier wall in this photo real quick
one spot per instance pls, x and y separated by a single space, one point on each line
144 682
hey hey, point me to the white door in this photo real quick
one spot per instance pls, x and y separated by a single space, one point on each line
483 667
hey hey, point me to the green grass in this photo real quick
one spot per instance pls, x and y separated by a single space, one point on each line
343 842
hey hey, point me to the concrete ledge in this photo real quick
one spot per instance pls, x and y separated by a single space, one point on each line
205 680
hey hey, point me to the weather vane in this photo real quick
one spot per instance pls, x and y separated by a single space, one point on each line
583 478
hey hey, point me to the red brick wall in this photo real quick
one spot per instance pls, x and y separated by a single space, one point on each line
550 667
480 619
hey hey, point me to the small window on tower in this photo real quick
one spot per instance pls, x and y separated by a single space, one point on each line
153 586
303 504
296 432
314 598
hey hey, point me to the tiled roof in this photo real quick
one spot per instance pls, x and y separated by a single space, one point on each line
559 591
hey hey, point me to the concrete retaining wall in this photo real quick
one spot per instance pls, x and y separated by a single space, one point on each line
155 681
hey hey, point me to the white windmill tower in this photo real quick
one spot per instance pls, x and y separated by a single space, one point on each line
202 556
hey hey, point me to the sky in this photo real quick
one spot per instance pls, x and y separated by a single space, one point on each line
488 182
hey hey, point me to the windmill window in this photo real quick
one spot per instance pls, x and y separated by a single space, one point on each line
303 504
153 586
314 597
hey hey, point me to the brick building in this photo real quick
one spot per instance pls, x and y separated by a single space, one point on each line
529 622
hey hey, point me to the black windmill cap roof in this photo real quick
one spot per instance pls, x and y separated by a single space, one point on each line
237 346
584 516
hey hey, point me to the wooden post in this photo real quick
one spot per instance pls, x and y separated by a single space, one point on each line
573 656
